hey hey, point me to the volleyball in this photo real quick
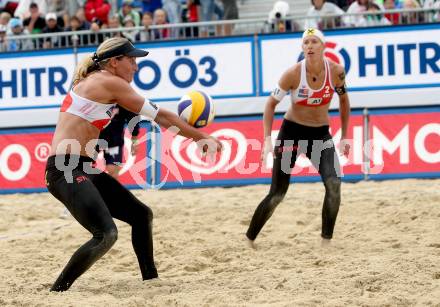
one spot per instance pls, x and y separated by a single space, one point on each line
196 108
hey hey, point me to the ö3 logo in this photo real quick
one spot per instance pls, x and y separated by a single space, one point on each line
331 52
183 72
191 158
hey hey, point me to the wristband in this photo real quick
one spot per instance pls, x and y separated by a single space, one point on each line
149 109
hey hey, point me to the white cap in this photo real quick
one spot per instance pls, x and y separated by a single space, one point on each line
50 16
314 32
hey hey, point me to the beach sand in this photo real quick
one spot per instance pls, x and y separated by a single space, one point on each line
385 250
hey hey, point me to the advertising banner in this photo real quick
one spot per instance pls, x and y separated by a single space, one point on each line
394 66
40 79
398 143
388 58
405 143
181 164
23 156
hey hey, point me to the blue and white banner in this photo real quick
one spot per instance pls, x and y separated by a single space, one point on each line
386 67
223 68
35 79
386 58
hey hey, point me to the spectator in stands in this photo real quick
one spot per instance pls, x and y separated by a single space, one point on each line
432 4
381 3
376 18
97 10
4 19
129 34
16 28
22 10
113 23
173 9
411 17
358 6
72 7
206 14
3 39
9 7
76 25
193 13
80 13
394 18
52 27
230 9
318 10
145 34
128 11
342 4
96 38
160 18
151 5
35 23
60 8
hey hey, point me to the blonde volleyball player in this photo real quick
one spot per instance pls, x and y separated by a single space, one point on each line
305 129
93 197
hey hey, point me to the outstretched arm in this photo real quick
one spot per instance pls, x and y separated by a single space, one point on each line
127 97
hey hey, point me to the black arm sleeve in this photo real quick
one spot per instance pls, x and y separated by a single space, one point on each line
128 117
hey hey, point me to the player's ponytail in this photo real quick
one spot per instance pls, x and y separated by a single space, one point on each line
90 63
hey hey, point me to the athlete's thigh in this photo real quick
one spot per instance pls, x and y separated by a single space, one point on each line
285 155
122 204
83 200
325 159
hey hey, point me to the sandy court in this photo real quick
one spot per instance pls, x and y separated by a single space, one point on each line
385 252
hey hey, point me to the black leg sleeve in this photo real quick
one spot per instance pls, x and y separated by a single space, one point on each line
85 204
278 189
325 159
124 206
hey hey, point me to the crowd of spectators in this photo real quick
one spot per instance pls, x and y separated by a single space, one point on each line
19 17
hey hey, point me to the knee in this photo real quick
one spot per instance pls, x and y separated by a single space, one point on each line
149 213
145 214
275 198
109 238
333 185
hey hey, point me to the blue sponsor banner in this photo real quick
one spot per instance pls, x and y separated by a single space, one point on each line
385 58
41 79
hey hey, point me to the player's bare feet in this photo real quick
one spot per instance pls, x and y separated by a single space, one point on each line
250 243
325 242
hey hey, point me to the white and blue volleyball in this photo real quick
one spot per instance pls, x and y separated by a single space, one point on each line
196 108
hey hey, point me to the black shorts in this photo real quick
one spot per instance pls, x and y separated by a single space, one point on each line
315 142
114 155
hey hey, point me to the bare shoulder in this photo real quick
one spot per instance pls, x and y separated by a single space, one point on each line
294 70
290 78
113 82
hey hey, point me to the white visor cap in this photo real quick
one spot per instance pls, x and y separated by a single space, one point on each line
314 32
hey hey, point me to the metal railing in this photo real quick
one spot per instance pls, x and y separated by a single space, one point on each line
73 39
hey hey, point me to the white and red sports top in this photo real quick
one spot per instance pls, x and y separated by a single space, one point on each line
306 96
98 114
